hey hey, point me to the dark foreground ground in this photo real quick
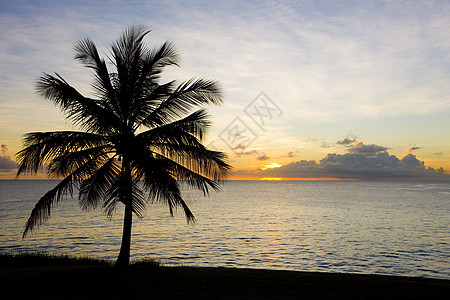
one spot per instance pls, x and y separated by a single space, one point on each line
23 278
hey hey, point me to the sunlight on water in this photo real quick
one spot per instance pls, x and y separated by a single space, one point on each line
360 227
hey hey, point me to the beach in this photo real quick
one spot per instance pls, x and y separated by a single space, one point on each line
53 278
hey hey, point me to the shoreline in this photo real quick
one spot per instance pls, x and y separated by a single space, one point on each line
78 278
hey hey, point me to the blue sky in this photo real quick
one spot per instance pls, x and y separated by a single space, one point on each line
375 72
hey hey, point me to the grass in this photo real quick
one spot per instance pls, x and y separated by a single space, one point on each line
42 276
33 259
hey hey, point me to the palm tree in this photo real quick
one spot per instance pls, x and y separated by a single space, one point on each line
136 136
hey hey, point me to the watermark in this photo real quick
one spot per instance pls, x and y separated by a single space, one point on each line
239 135
262 109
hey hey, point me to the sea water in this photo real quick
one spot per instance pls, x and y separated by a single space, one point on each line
394 228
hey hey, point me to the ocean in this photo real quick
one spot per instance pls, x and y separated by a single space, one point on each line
395 228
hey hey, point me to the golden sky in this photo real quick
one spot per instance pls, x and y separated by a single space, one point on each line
313 89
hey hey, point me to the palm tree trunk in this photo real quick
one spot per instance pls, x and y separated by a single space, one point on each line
123 260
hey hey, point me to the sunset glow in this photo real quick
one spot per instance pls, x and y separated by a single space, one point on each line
367 103
272 178
238 139
292 178
270 166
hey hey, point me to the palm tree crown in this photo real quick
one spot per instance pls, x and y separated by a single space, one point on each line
136 136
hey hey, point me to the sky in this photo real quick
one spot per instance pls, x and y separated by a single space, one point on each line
312 89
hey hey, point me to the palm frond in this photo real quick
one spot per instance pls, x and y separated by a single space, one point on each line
159 176
42 209
155 165
147 91
128 47
187 131
212 164
136 135
69 161
87 53
94 188
152 62
150 99
127 52
114 196
41 147
166 189
155 60
187 96
87 113
180 142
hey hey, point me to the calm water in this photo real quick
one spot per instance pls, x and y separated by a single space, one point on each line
358 227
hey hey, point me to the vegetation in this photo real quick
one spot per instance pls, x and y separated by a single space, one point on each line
136 136
27 259
33 259
98 281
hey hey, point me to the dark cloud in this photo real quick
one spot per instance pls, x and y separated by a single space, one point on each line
410 161
346 142
266 157
3 149
289 154
6 163
242 147
366 149
365 162
325 145
438 153
247 153
263 157
414 148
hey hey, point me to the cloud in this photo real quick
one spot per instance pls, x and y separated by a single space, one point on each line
340 58
240 151
263 157
6 163
251 152
341 62
359 147
240 147
290 154
247 153
413 148
325 145
3 149
410 161
348 141
364 162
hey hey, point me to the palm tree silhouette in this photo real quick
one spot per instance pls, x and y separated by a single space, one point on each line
137 136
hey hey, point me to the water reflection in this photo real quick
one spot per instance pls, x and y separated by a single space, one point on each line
311 226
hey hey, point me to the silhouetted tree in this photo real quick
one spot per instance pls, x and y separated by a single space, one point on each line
135 136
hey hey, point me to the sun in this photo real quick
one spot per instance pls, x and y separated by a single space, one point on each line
271 166
272 178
